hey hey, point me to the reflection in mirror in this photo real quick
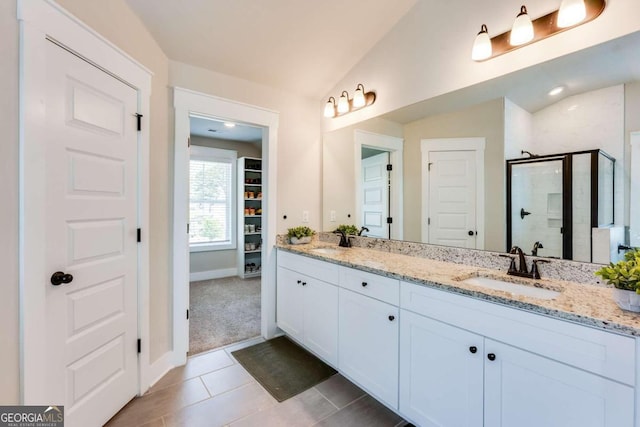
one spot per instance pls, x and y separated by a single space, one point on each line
554 202
600 109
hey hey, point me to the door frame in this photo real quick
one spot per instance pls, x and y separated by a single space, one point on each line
454 144
395 147
188 102
41 21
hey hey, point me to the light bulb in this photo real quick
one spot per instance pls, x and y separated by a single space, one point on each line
571 12
522 30
343 102
330 107
358 97
482 45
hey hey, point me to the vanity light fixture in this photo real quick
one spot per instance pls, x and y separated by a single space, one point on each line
522 30
343 102
571 12
526 31
330 107
482 45
346 105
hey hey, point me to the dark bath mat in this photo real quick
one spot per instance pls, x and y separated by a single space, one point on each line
282 367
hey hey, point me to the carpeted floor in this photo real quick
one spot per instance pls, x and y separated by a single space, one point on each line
223 311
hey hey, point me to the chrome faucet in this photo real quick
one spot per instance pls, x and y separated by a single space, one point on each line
536 246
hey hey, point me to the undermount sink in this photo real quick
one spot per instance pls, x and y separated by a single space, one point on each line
535 290
326 251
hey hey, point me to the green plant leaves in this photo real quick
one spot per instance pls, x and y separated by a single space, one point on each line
624 274
299 232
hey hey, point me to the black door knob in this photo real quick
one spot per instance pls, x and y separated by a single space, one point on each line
491 356
471 233
392 318
364 284
473 349
58 278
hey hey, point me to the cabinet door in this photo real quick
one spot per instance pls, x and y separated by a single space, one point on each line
289 302
368 344
523 389
441 373
321 319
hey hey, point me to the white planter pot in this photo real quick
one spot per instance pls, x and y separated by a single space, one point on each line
627 300
300 241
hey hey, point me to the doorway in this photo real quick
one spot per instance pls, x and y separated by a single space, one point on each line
224 240
379 185
188 103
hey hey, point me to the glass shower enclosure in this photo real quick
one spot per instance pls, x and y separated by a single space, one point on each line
554 201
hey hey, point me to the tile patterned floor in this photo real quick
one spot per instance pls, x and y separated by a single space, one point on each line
212 389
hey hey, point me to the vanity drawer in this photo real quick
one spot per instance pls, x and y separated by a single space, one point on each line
373 285
594 350
320 270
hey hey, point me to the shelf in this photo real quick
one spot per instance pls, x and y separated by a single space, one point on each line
246 184
253 216
253 170
255 233
255 199
253 252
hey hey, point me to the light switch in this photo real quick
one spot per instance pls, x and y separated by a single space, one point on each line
305 216
332 216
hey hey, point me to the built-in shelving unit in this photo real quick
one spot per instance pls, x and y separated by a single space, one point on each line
249 217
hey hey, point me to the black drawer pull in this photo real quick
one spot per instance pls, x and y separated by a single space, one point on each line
473 349
491 356
364 284
392 318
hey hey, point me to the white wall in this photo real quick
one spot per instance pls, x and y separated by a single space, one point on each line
299 138
518 130
429 52
9 336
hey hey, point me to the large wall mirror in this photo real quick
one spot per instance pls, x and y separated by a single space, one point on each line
447 183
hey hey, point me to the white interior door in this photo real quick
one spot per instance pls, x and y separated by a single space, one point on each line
375 195
452 198
91 222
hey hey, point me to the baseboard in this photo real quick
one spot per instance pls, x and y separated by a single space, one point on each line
213 274
159 368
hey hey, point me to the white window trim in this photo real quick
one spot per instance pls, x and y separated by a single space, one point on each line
211 153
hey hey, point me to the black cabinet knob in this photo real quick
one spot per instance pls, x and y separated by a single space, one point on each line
364 284
304 283
473 349
392 318
470 233
299 281
58 278
491 356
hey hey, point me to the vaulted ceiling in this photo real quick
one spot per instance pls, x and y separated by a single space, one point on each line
303 46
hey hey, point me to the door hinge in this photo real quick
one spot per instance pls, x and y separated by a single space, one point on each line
389 220
429 166
139 235
187 228
389 167
139 345
189 142
428 221
187 314
139 117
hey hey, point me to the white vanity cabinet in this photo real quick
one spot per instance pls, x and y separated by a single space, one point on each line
369 332
458 371
306 307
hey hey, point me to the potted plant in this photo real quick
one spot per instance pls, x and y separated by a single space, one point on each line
348 229
299 235
625 277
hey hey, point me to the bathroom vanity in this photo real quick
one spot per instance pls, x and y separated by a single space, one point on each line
441 349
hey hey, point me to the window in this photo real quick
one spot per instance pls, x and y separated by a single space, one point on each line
212 191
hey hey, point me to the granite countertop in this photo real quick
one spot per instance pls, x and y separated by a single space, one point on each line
582 303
